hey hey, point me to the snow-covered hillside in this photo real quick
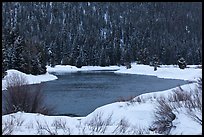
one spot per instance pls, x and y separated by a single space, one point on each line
130 117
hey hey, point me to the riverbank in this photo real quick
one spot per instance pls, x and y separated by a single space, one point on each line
31 79
164 71
127 117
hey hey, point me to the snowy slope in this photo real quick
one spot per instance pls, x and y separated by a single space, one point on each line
136 115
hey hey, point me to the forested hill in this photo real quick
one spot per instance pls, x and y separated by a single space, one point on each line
36 34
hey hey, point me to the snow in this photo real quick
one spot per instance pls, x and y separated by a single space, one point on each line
30 78
164 71
68 68
185 125
135 115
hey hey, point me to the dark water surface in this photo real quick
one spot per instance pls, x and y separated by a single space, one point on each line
81 93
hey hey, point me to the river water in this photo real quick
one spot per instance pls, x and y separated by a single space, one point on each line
81 93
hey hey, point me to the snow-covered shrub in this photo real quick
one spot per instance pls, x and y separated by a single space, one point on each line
190 101
195 104
137 99
10 124
122 127
99 124
7 127
45 129
179 97
128 65
57 127
163 117
182 63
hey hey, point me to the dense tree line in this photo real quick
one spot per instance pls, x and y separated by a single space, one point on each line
21 55
99 33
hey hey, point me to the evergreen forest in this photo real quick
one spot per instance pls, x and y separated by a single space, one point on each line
37 34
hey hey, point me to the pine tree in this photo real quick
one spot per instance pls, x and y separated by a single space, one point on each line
19 59
102 61
4 59
182 63
155 62
21 55
78 62
65 59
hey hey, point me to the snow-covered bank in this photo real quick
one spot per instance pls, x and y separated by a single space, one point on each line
69 69
164 71
30 78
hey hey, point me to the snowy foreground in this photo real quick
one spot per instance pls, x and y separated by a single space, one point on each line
130 117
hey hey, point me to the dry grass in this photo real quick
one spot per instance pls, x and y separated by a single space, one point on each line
122 127
20 96
57 127
99 124
166 107
9 125
163 117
